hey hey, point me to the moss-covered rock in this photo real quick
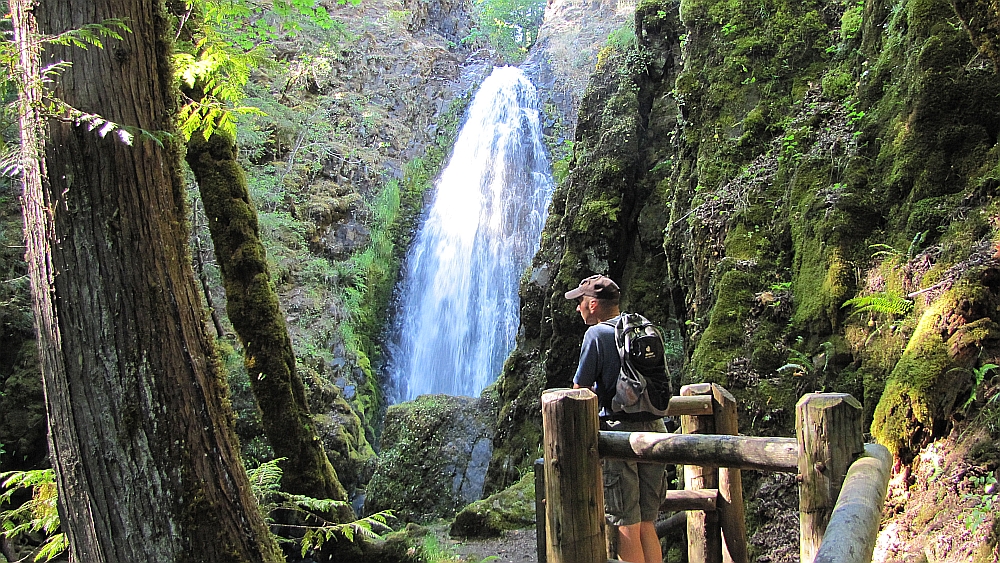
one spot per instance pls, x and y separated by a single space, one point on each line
509 509
922 391
435 451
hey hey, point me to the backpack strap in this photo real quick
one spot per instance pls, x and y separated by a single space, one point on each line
621 325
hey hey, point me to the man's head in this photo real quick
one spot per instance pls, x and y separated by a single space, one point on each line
596 299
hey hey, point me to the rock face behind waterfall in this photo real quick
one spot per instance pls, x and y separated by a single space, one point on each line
435 451
563 57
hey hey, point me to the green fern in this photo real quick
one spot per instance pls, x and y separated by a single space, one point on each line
884 303
369 527
90 34
39 514
265 482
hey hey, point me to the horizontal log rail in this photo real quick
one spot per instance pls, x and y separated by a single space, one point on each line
738 452
842 481
853 528
701 499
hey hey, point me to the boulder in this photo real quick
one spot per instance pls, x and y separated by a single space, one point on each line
435 451
510 509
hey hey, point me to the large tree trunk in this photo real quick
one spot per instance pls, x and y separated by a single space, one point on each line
140 434
252 305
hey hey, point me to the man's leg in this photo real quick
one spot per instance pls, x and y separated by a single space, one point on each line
630 547
650 543
652 484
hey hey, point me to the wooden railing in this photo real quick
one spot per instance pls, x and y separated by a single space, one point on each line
842 481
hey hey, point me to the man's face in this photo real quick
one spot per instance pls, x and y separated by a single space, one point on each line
588 309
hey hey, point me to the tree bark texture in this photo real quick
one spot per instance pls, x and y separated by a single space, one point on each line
252 306
574 489
828 430
141 435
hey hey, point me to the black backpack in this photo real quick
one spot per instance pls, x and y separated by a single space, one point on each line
643 384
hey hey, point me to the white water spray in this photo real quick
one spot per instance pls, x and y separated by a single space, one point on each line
458 309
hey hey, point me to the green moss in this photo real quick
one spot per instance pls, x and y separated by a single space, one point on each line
850 22
723 339
838 83
510 509
598 212
923 388
820 287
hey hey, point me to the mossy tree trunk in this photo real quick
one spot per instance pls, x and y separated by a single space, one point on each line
141 437
252 306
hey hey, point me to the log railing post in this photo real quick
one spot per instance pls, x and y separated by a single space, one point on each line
540 509
732 514
828 429
574 489
704 537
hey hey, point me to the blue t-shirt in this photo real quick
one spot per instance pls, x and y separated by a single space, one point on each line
601 364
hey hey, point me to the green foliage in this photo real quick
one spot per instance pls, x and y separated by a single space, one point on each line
978 376
372 271
265 482
37 515
510 26
229 40
985 501
433 552
369 527
882 303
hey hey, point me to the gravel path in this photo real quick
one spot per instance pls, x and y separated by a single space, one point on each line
516 546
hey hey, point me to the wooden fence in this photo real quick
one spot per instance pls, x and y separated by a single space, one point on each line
842 481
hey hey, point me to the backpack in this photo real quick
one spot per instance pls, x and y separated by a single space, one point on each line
643 384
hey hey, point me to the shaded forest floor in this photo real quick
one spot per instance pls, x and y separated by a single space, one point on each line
515 546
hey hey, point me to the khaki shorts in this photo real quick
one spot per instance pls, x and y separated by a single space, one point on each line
633 491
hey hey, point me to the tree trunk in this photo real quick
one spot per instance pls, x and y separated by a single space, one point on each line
141 436
252 306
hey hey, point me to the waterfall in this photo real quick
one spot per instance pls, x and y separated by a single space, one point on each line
458 310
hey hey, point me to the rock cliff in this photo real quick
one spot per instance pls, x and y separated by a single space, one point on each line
804 195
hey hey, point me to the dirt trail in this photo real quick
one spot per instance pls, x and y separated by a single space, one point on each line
516 546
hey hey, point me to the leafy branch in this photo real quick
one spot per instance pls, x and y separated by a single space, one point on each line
265 481
36 515
226 43
89 35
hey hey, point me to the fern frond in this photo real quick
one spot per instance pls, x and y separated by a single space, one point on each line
884 250
884 303
265 478
38 514
52 548
317 505
90 35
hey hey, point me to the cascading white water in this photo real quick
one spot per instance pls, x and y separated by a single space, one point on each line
458 310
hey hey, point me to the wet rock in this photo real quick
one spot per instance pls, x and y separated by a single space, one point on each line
435 451
510 509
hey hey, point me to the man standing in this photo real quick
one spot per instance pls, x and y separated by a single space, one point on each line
632 491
